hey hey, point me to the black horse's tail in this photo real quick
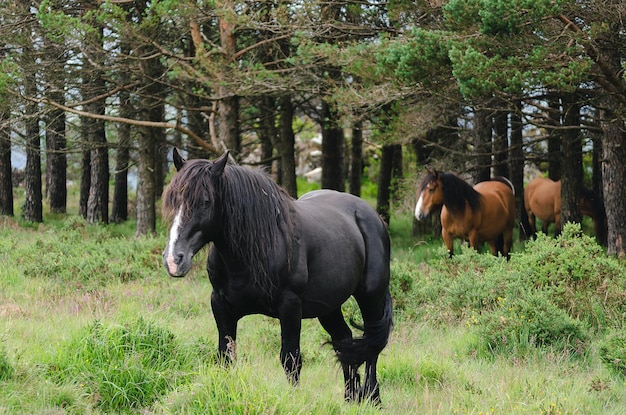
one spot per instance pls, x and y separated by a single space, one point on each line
375 337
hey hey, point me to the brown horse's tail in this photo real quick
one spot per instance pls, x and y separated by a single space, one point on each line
525 230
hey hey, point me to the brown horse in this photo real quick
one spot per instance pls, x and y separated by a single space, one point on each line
542 200
483 213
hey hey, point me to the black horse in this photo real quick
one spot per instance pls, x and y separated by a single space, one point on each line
284 258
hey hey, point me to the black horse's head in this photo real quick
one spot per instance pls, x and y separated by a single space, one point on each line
190 202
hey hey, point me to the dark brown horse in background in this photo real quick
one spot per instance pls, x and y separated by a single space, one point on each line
542 200
478 214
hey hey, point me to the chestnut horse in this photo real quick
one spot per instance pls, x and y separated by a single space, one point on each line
542 200
478 214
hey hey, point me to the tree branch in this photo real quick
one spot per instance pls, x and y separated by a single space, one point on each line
154 124
608 79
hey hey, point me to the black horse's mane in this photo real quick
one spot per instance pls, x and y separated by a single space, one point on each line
456 191
255 212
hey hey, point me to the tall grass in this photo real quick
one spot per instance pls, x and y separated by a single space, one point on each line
90 324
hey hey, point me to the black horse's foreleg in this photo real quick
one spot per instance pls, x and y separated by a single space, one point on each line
339 331
226 323
290 316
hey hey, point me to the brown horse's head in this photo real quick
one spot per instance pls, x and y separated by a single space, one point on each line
429 195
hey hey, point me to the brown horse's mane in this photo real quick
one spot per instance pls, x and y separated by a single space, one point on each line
456 191
254 211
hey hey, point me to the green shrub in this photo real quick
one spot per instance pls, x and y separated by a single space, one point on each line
401 285
613 352
581 279
553 294
123 367
521 323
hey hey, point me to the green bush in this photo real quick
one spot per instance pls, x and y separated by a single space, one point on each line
613 352
553 294
401 285
522 323
580 278
123 367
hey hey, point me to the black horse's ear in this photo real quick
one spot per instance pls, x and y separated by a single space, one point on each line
218 165
179 161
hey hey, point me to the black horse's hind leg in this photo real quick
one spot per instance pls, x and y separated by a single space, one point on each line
378 321
290 315
371 389
226 327
339 331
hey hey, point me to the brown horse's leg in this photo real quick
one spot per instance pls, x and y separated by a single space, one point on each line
449 241
533 224
508 242
557 225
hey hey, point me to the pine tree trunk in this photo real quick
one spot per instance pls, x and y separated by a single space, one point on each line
614 177
500 144
56 143
482 145
228 106
33 204
555 152
6 174
119 209
267 130
56 166
384 182
571 179
146 213
356 159
287 148
119 206
516 158
98 200
333 176
85 174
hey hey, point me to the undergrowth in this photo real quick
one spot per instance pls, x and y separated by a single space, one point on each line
556 294
88 257
559 297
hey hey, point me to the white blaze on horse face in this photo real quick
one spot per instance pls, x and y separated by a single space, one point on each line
174 233
418 208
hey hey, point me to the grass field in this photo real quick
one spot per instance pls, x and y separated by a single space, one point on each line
91 324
